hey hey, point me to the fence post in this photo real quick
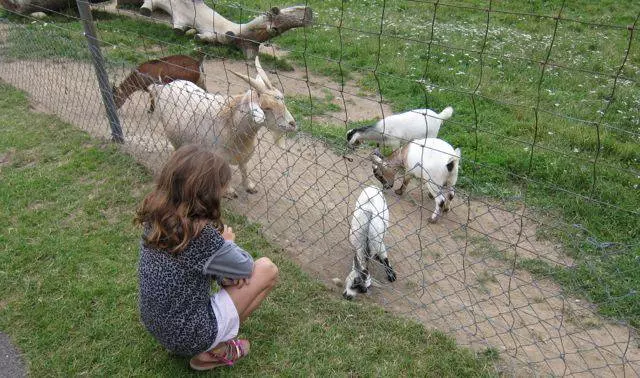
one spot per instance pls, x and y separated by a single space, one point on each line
101 73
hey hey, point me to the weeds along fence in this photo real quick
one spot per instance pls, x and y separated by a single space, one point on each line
538 260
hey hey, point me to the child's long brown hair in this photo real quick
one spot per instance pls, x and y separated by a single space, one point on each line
186 198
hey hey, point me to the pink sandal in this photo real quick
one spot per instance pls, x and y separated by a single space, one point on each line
227 354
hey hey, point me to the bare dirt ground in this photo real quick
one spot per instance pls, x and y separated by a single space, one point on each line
456 276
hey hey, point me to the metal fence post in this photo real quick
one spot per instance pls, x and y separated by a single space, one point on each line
101 73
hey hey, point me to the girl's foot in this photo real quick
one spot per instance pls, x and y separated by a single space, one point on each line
225 354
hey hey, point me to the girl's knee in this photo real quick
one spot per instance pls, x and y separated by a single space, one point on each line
265 266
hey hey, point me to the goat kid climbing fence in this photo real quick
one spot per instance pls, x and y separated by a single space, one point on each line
537 255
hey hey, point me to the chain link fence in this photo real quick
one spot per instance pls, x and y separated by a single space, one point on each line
545 121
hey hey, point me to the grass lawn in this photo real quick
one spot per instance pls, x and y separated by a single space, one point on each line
68 281
546 111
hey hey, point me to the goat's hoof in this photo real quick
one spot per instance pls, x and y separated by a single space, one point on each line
391 276
347 296
252 190
231 194
433 220
446 209
399 192
145 12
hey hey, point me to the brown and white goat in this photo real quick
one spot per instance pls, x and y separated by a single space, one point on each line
431 159
159 71
228 124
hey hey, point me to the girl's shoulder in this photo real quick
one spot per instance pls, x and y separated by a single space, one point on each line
208 239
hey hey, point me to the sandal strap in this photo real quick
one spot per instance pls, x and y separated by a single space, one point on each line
234 350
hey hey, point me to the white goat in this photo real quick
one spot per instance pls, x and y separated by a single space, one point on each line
401 128
228 124
433 160
368 225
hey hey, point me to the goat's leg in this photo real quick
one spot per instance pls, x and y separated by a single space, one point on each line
448 198
357 279
349 292
201 83
246 183
152 101
405 182
231 193
381 256
439 206
362 281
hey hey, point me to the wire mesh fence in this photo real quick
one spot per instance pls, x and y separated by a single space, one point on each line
537 258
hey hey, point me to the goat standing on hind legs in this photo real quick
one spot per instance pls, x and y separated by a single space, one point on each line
160 71
368 225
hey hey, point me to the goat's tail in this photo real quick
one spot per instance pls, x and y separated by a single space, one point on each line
453 160
446 113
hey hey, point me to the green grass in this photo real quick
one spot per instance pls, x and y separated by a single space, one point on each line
515 123
69 283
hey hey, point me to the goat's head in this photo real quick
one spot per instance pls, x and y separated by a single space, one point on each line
271 101
381 169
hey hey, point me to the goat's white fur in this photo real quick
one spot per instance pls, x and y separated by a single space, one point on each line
401 128
369 223
228 124
432 160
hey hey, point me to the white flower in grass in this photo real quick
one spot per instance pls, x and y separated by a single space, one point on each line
576 150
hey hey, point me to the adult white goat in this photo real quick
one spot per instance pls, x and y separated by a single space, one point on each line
368 225
431 159
228 124
398 129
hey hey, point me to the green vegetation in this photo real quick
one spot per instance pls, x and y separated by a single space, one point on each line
69 281
519 86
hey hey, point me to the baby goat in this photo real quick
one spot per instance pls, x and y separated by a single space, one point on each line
368 225
401 128
433 160
159 71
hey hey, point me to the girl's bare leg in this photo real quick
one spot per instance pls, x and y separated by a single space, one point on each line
249 297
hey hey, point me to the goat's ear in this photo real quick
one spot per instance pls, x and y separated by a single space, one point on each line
257 114
258 85
458 153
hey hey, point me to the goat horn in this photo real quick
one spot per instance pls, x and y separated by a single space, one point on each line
263 74
259 86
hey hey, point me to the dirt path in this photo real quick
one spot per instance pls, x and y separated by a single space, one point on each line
456 276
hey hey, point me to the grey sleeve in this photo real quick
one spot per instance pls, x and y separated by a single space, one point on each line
230 261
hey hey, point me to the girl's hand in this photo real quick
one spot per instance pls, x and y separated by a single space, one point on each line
239 283
227 233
